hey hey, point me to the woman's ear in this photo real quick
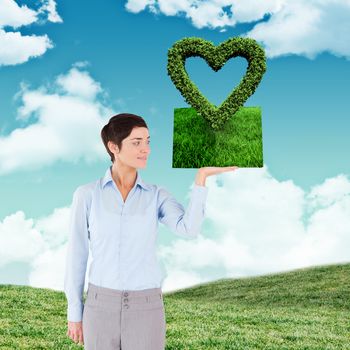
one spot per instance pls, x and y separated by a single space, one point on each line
112 147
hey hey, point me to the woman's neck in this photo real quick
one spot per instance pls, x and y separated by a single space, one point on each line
123 176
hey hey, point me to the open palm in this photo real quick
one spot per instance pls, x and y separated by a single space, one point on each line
212 170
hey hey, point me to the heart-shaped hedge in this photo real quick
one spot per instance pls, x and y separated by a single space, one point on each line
216 57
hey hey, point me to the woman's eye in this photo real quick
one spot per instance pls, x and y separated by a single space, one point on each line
138 142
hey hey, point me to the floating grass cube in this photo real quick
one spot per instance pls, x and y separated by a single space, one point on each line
238 143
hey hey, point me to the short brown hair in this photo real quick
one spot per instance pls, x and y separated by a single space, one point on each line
118 128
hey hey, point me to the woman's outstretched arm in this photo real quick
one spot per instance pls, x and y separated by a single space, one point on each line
187 223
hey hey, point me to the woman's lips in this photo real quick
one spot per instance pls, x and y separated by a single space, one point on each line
142 158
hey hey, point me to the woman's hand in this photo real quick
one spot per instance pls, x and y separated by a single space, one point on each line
75 332
211 170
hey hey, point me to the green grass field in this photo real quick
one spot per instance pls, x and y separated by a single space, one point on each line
196 145
302 309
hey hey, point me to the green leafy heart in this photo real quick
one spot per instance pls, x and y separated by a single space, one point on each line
216 57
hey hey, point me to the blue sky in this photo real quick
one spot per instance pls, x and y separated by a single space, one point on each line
95 60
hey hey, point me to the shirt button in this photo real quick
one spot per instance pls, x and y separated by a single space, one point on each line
126 294
126 306
126 300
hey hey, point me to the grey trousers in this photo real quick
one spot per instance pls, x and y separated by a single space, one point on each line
124 319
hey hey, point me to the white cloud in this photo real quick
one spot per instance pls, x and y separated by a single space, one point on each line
15 47
139 5
258 225
19 240
181 279
55 227
79 84
307 28
69 117
171 8
49 8
48 268
262 225
209 14
254 10
297 27
11 14
332 190
41 243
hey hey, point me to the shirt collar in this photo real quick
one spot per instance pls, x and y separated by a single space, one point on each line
108 178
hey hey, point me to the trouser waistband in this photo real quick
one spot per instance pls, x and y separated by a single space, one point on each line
117 292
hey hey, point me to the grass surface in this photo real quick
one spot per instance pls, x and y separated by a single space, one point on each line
302 309
238 143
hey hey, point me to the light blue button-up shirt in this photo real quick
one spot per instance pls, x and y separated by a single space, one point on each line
122 235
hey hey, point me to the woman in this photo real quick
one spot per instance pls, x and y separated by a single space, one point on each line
117 216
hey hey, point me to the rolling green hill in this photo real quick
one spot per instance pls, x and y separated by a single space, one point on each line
302 309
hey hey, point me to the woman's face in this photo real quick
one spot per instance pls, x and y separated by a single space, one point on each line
135 148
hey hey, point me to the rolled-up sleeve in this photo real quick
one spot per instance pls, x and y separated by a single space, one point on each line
186 223
77 255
